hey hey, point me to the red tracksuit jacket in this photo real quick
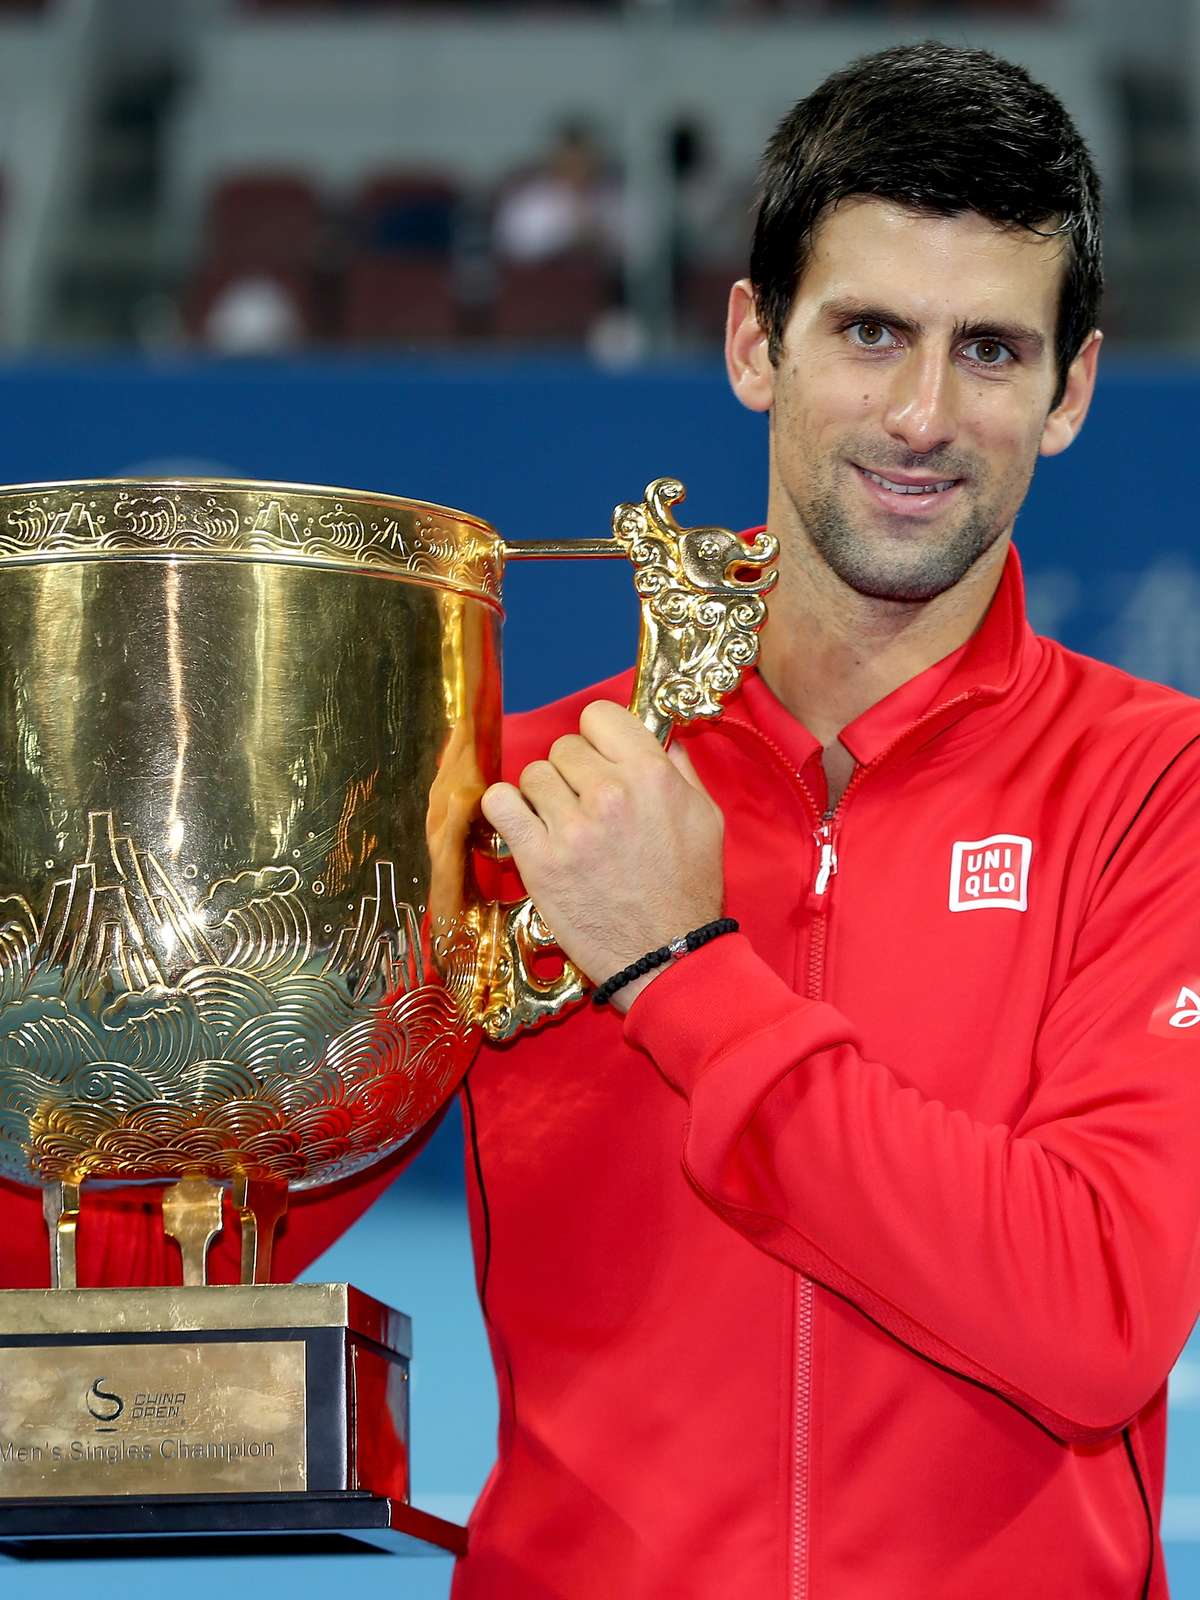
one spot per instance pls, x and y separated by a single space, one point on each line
852 1265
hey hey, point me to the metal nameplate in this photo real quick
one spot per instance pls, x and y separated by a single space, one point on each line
136 1419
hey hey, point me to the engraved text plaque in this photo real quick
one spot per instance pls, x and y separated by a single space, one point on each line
137 1419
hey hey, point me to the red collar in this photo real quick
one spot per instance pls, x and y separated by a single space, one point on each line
983 669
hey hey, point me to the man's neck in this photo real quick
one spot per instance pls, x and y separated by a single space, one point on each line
830 654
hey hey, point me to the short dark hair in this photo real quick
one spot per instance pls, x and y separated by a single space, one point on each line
940 129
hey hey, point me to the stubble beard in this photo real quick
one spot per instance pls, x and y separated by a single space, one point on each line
922 567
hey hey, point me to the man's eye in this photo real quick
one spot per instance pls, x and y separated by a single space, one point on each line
871 335
988 352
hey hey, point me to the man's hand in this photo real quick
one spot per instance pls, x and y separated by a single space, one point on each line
616 840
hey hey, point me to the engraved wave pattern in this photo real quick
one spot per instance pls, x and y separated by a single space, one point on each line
265 919
175 1088
37 527
27 526
180 520
18 939
154 518
342 533
455 953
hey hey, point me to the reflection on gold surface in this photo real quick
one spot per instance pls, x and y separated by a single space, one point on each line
350 847
191 1212
223 718
244 730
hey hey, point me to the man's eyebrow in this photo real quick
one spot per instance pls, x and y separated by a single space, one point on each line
846 311
1006 332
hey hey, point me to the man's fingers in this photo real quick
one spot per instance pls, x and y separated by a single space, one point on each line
579 762
682 762
547 791
513 818
615 731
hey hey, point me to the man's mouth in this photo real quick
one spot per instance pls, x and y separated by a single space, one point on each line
895 486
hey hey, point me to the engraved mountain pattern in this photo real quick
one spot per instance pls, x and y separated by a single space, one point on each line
148 1030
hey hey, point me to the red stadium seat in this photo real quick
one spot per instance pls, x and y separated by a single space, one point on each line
264 219
397 299
556 301
704 298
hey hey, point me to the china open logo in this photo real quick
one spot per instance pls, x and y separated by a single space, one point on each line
990 873
104 1405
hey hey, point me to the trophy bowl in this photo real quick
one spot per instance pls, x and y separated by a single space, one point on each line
244 731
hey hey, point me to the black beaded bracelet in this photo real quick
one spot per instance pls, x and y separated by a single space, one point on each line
675 951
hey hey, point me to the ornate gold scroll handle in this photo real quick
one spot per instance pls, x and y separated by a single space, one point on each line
702 605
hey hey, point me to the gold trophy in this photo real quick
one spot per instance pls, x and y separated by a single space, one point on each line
244 730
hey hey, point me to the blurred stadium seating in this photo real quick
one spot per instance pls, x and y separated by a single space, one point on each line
145 150
348 154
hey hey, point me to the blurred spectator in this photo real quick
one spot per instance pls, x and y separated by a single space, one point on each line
568 203
254 316
409 212
711 225
711 217
556 241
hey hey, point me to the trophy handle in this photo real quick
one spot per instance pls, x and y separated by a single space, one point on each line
702 605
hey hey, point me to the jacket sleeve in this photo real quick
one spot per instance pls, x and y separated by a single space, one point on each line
1056 1261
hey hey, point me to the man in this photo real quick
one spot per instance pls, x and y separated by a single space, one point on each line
898 1326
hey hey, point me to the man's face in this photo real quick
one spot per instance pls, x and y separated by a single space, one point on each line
912 394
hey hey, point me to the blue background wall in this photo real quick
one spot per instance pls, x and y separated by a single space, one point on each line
1111 543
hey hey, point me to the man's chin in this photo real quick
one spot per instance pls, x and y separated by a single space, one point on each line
899 588
906 569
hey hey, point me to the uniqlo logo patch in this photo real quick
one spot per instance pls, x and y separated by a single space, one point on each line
991 874
1180 1014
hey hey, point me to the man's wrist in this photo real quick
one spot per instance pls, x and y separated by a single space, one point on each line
654 961
628 992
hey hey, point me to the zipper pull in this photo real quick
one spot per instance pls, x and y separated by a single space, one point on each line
828 865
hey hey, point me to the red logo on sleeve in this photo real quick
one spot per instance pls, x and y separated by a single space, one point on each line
991 873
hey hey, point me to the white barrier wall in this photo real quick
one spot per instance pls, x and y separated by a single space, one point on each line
46 67
478 94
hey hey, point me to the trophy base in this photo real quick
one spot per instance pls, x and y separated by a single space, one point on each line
142 1421
99 1527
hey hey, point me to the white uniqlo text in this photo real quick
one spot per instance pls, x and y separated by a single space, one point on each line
992 873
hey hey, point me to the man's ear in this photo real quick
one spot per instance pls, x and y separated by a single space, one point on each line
1065 421
747 361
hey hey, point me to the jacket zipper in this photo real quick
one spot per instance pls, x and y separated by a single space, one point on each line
827 861
827 866
826 840
825 837
801 1430
803 1294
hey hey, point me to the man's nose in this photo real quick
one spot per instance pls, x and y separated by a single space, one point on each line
922 409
